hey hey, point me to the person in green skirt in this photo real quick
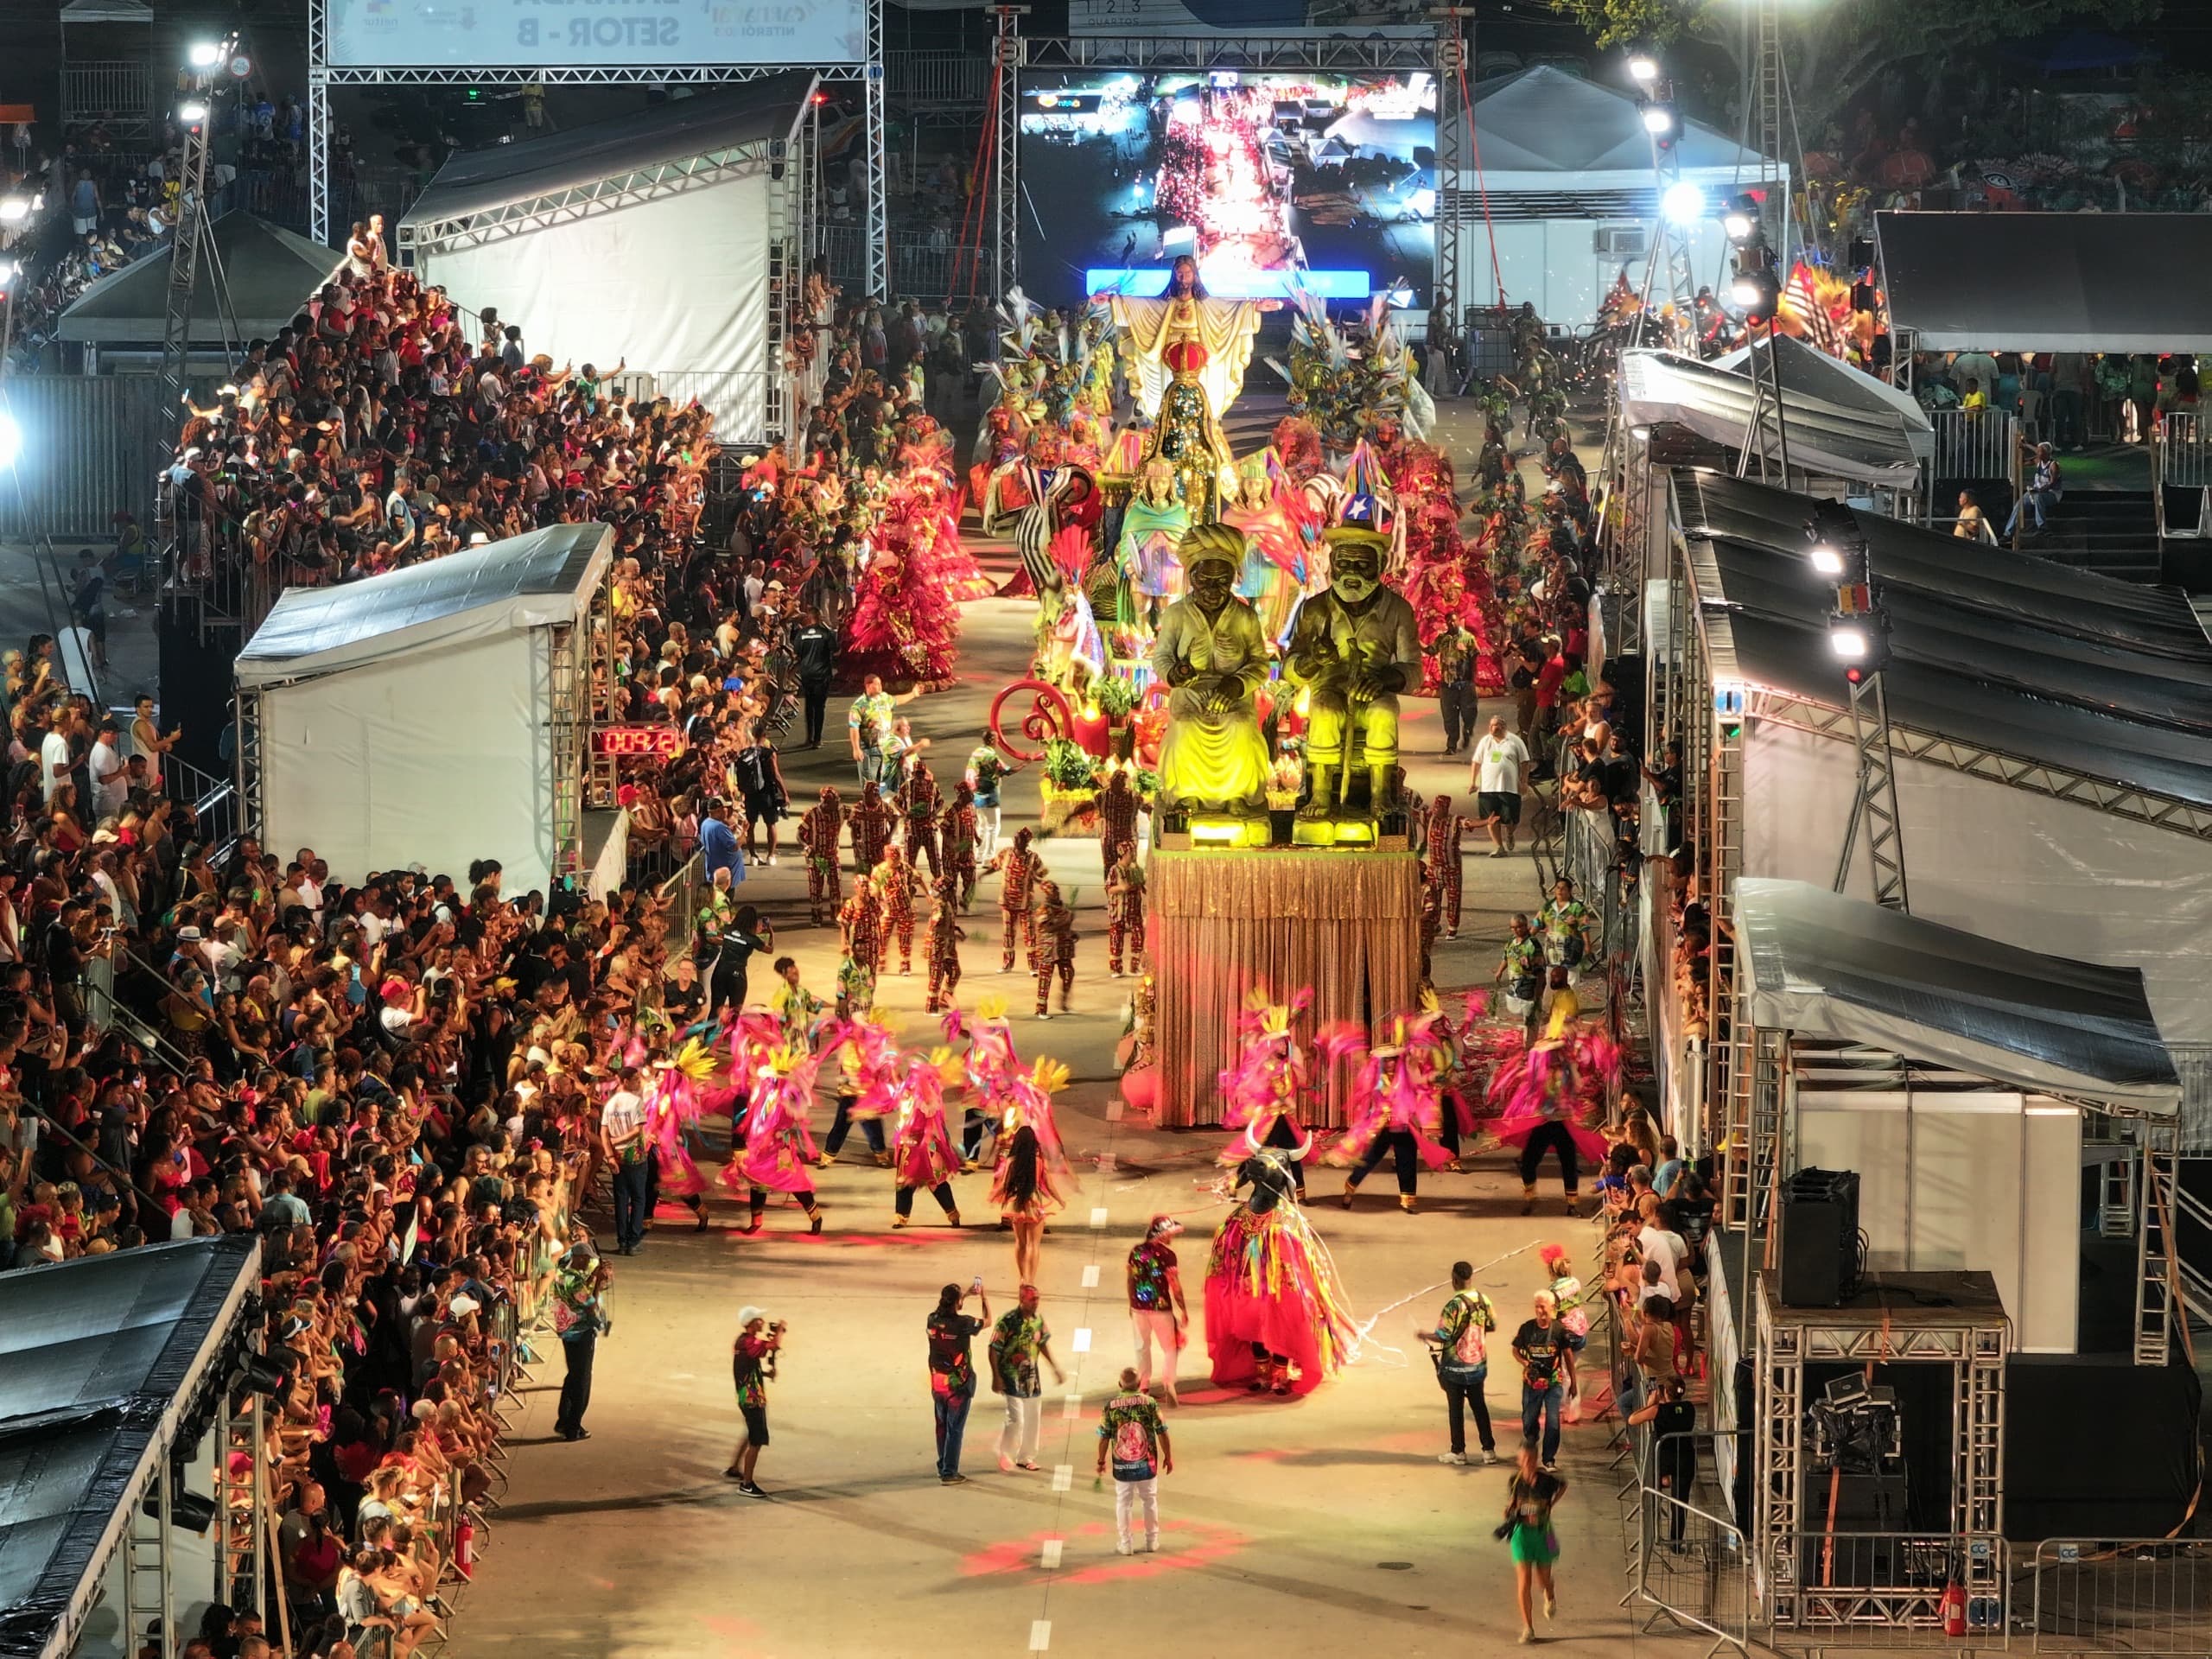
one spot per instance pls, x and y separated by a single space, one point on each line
1530 1497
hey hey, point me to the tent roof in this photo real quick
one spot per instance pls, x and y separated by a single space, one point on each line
269 272
2049 281
97 1357
1991 647
1826 965
1543 129
106 11
1839 419
544 577
476 181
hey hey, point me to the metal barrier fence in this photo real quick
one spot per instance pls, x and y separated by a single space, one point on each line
92 448
938 77
1693 1573
122 87
1882 1589
2133 1596
1975 444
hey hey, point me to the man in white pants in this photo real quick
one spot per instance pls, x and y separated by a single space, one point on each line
1156 1311
1131 1434
1018 1341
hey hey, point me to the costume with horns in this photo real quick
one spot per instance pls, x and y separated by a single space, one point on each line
1276 1316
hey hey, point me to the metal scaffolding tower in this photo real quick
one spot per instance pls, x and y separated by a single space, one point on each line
1874 803
1006 168
1454 155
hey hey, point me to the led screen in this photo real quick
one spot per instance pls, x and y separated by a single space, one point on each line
1332 178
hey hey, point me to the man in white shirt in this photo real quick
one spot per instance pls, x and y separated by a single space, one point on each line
111 775
622 1134
53 754
1495 777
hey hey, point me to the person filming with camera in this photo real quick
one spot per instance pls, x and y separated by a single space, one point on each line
754 1366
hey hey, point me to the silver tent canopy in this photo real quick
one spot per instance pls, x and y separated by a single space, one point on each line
1825 965
1839 421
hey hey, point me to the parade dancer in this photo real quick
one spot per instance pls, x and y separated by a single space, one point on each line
1264 1091
896 882
945 934
921 1152
1125 910
1018 870
779 1149
920 806
1395 1111
990 1069
1027 1111
863 923
1117 820
867 1056
1442 859
870 824
1055 931
672 1107
1276 1316
819 830
1027 1196
959 843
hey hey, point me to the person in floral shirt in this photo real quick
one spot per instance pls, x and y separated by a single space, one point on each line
1018 1341
752 1362
952 1373
1130 1432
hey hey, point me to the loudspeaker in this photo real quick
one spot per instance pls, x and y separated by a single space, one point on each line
1820 1238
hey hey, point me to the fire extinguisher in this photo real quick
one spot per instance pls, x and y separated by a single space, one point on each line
464 1553
1954 1608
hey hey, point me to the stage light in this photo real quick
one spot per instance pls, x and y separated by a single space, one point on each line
1827 560
192 112
204 54
11 441
15 208
1643 68
1848 640
1741 220
187 1510
1683 204
1641 433
1658 119
1758 292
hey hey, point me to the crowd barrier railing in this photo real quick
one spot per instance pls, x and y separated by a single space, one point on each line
1861 1590
2126 1596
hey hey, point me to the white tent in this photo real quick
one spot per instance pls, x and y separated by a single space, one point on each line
411 718
1841 420
644 239
1573 194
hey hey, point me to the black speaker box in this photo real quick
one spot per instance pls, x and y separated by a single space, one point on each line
1820 1238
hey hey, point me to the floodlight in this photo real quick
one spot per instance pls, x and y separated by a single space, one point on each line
204 54
1757 292
1741 220
1658 119
192 112
1848 640
1643 68
9 270
15 208
11 440
1683 204
1827 560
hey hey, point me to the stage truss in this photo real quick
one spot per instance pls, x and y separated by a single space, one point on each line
322 75
1443 55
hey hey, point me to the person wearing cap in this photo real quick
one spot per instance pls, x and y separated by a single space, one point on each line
1157 1313
579 1318
753 1365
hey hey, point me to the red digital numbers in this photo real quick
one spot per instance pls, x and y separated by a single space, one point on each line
624 742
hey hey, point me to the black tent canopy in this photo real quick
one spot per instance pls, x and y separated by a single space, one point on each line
2047 281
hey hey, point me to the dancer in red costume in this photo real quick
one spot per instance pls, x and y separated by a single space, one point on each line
779 1148
1276 1318
1265 1090
1396 1108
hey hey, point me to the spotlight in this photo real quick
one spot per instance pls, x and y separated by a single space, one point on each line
1643 68
1848 639
1827 560
1683 204
257 1373
1741 218
11 441
187 1510
1758 292
1658 119
204 54
192 113
15 209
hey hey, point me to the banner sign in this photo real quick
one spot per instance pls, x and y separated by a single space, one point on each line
593 33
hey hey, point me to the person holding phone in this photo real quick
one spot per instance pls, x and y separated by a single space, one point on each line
952 1372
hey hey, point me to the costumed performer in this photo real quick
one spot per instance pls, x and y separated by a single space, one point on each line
921 1152
1265 1090
1276 1318
1153 527
1026 1196
779 1148
1210 653
1546 1095
1186 434
673 1106
1395 1107
1354 647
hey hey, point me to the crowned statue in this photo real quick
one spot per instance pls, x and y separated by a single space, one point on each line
1187 436
1354 647
1210 654
1186 315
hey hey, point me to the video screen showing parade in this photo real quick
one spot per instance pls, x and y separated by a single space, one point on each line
1331 177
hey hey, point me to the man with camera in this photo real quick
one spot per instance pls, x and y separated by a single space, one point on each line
579 1317
753 1365
952 1372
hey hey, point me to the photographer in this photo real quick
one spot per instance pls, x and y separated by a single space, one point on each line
753 1365
578 1320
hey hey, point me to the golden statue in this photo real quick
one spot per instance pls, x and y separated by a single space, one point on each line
1186 314
1185 435
1354 647
1210 653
